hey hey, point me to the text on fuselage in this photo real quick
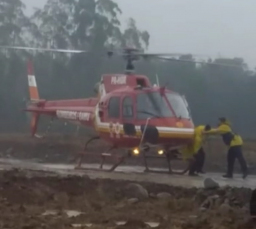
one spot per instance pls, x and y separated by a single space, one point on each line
73 115
118 79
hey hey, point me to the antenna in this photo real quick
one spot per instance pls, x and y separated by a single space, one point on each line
157 80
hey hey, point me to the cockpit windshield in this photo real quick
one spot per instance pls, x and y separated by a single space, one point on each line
178 105
154 105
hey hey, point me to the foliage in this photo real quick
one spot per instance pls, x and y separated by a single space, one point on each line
94 25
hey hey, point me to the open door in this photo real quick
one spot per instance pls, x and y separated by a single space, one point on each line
128 115
114 116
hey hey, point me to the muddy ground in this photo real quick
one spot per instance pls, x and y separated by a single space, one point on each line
30 200
56 148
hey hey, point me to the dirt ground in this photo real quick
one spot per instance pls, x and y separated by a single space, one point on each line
31 200
56 148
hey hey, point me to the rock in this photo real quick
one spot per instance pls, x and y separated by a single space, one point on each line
164 195
217 203
209 183
226 201
236 202
133 200
200 196
61 197
134 223
134 190
193 216
152 195
199 191
210 202
202 209
245 210
22 208
224 209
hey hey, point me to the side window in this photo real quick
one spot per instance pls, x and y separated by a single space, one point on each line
127 107
114 107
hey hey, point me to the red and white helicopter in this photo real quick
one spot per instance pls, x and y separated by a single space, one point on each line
128 111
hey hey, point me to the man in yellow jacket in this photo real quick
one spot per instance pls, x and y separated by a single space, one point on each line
194 151
234 143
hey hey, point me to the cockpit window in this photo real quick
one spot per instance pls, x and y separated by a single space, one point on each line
152 105
178 105
114 107
127 107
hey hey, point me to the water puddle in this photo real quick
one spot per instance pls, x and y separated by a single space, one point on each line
73 213
119 223
81 225
151 224
50 212
70 213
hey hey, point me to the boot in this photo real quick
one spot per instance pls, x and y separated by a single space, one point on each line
245 174
201 171
193 174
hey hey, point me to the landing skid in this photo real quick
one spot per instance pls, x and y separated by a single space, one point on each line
119 159
170 156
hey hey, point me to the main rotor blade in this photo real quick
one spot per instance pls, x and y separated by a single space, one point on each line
199 62
173 54
137 52
149 54
158 54
44 49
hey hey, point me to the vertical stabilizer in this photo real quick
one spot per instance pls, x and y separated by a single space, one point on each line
33 90
34 96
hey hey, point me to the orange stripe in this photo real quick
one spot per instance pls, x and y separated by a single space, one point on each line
33 93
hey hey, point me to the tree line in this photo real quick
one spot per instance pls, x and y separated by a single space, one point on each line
212 91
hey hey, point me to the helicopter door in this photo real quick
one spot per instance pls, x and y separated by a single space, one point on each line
113 116
128 116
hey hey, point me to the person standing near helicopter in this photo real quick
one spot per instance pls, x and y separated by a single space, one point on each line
194 151
234 143
199 153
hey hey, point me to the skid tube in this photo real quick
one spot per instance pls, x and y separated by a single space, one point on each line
119 159
169 156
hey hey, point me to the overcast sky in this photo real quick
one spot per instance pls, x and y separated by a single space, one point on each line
212 27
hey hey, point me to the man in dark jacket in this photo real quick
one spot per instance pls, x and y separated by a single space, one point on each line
234 143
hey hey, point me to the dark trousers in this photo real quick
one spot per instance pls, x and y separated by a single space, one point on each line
253 204
197 165
200 157
234 153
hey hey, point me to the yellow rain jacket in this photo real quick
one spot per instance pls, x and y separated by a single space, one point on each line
191 149
229 138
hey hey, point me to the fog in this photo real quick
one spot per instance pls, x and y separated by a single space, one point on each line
214 27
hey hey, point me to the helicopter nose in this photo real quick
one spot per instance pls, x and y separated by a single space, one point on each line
151 134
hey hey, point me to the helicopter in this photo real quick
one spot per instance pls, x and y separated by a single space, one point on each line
128 111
